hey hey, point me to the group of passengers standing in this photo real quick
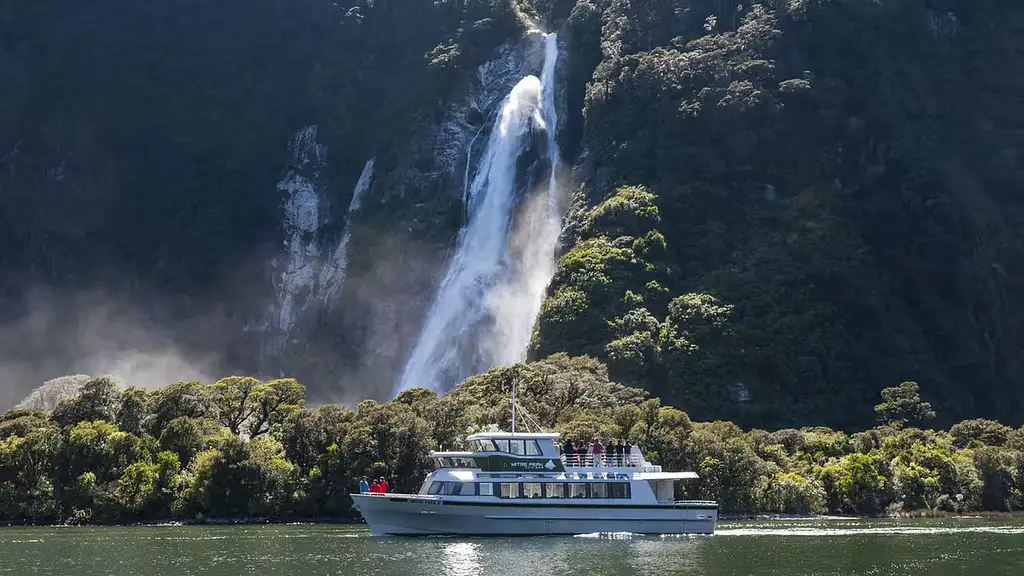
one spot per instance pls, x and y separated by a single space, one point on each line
614 454
379 486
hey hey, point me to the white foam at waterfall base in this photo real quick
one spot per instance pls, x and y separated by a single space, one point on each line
488 300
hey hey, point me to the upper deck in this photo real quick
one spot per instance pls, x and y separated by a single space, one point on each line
539 453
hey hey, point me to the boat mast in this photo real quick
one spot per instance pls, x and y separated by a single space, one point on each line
513 405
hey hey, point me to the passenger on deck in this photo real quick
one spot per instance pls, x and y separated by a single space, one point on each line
375 487
383 485
569 451
598 451
620 451
363 486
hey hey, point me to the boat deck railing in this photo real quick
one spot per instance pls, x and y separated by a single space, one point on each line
608 461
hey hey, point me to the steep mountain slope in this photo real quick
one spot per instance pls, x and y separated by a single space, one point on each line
830 206
779 208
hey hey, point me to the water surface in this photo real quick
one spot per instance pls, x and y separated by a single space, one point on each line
791 548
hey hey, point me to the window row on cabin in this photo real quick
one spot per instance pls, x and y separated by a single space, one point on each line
456 462
517 447
514 490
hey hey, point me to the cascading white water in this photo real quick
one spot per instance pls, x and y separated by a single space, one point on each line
547 81
332 275
489 298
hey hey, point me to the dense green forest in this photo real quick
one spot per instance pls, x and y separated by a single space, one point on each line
245 449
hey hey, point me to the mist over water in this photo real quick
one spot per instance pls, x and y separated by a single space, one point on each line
485 306
99 334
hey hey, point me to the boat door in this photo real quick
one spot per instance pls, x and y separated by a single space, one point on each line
549 527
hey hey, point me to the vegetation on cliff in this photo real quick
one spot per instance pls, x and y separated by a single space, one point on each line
241 448
795 203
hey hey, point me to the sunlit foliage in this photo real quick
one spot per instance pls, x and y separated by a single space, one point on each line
283 461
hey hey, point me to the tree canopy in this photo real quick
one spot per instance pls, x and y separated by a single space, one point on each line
101 456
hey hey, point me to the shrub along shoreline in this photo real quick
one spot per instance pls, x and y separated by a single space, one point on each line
245 451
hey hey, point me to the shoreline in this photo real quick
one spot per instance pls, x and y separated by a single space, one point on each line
729 517
190 522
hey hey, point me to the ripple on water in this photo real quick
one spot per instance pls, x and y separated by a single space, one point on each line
863 530
823 547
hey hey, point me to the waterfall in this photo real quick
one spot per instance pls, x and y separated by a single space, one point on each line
547 81
332 275
303 215
485 306
310 277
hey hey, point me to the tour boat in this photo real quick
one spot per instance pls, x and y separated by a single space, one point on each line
512 483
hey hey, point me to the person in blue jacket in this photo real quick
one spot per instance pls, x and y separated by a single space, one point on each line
363 486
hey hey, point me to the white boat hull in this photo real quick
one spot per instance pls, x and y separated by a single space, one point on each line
420 516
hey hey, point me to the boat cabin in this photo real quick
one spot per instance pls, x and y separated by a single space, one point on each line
531 465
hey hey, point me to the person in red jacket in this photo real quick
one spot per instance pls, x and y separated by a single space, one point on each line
383 485
375 487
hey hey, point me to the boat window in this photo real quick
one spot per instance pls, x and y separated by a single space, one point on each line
464 462
482 446
509 490
502 445
577 490
532 448
531 490
435 488
599 490
485 489
554 490
619 490
464 489
446 463
448 489
516 447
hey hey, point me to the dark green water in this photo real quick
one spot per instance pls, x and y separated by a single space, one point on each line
792 548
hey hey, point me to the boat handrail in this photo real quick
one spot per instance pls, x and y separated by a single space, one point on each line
608 461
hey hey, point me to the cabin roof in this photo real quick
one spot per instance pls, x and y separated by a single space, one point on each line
667 476
516 436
